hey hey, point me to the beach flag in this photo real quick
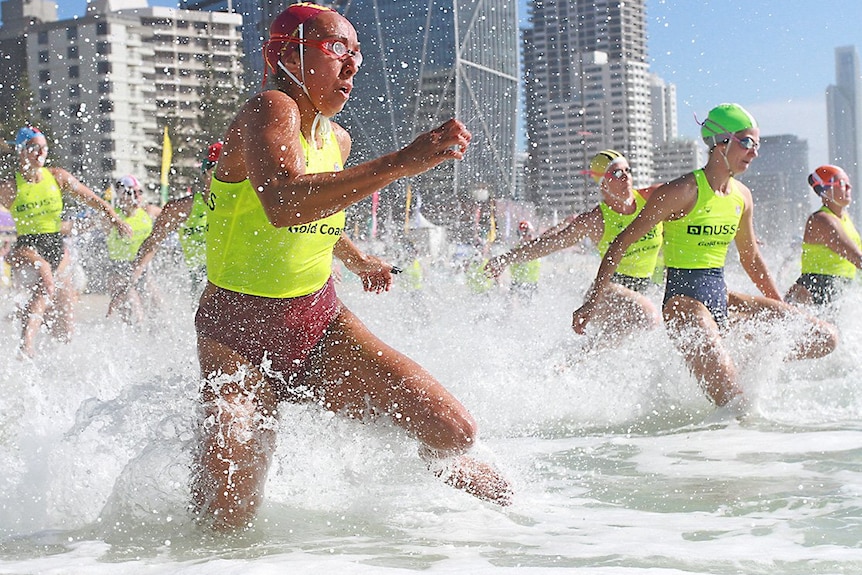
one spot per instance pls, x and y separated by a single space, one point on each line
407 208
167 155
492 232
375 203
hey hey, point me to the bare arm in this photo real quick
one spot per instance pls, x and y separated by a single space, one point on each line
8 191
71 185
375 273
669 202
588 224
749 254
826 229
172 216
262 145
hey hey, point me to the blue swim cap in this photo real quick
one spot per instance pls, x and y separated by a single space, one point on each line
24 135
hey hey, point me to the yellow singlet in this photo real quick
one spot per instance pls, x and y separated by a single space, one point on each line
247 254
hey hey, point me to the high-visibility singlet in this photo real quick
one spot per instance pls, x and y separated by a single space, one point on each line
37 206
640 258
122 249
526 272
193 234
818 259
247 254
700 239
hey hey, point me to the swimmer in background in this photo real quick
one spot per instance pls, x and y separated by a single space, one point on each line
39 255
525 275
270 325
188 217
122 250
831 246
703 212
623 308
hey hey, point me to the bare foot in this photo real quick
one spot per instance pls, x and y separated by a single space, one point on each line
476 478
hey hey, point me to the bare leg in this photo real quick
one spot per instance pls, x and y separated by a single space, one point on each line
237 438
622 311
32 319
62 309
696 335
798 294
352 369
820 340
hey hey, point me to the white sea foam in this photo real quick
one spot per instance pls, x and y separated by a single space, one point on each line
620 464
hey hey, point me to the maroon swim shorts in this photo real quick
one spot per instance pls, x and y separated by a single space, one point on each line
286 330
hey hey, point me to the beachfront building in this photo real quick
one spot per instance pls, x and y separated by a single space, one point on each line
673 156
587 88
425 63
844 118
780 190
107 83
256 17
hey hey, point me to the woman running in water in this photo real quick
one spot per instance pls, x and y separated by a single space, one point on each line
831 247
270 325
703 212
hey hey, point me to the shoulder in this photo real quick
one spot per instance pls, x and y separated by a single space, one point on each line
63 178
592 220
265 108
645 193
341 135
743 191
823 219
8 191
594 214
180 207
683 186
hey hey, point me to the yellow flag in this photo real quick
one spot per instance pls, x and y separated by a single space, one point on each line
167 155
407 208
492 232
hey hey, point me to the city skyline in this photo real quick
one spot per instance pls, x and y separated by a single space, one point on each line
773 57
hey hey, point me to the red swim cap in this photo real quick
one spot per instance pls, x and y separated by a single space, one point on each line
283 26
214 151
825 177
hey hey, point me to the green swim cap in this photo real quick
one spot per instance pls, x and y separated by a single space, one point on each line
725 119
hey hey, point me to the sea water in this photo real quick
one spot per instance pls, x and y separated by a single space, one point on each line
619 463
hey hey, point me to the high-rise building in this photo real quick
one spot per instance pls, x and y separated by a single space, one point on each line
426 62
587 88
92 79
108 82
18 17
256 18
844 118
672 156
663 110
778 179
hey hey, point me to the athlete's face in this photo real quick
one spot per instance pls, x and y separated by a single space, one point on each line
328 75
617 182
741 149
839 192
34 153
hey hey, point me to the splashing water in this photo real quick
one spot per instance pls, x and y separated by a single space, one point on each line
619 463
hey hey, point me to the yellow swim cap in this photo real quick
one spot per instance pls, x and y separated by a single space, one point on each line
601 161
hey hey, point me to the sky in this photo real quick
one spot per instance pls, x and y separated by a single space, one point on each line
775 57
